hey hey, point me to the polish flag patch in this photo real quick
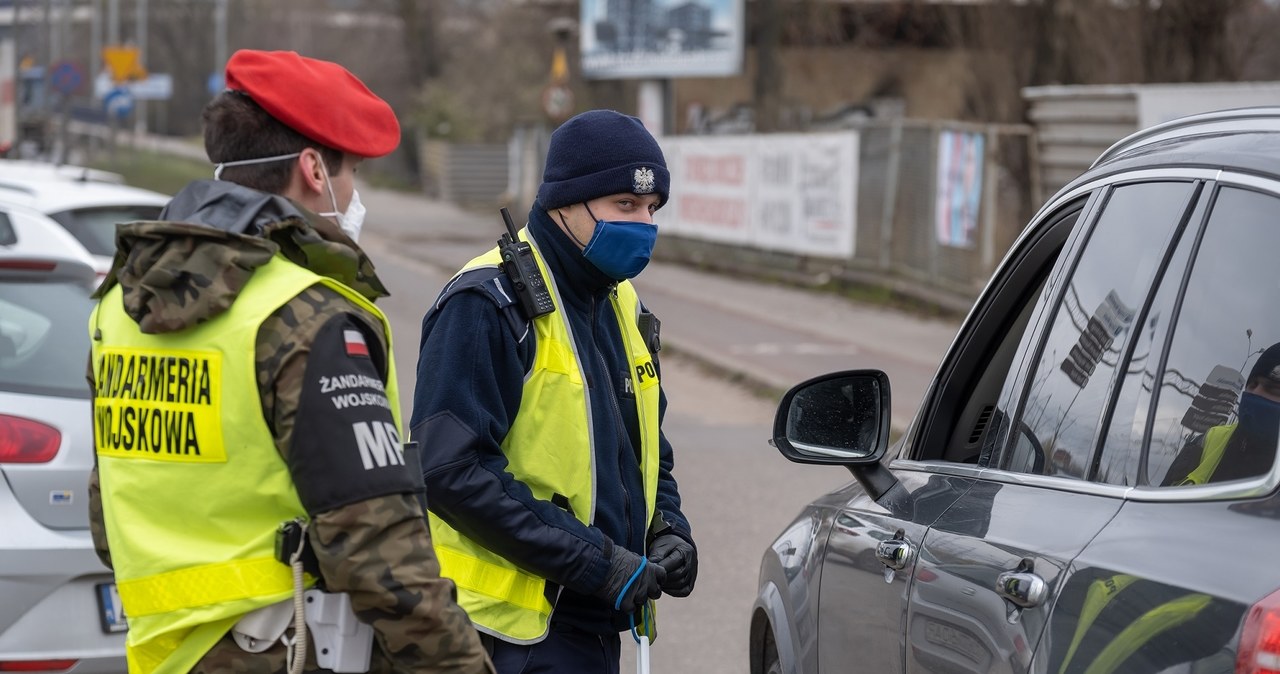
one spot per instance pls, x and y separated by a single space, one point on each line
355 343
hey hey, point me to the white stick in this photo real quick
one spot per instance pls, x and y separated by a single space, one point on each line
642 656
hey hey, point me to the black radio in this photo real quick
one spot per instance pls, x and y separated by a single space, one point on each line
521 267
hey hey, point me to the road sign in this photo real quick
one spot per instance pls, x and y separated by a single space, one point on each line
156 87
557 102
123 62
66 77
118 103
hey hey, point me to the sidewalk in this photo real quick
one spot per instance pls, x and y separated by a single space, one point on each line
768 336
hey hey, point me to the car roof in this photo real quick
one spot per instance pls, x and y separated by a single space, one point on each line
29 169
31 241
1243 139
51 195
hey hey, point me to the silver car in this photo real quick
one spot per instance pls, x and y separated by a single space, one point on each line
84 205
58 606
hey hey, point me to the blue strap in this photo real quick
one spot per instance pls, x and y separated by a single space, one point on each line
646 621
617 604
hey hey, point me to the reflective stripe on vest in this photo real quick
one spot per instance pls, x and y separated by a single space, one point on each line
1215 446
179 432
550 448
1124 643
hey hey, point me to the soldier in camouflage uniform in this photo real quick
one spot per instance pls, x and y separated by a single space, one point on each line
366 528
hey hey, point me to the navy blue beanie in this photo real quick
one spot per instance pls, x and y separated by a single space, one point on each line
598 153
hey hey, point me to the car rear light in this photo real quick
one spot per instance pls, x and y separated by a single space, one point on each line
27 441
28 265
1260 638
37 665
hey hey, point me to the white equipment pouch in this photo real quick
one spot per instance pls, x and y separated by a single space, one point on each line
342 642
259 629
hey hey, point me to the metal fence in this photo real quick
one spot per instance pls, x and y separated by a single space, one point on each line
897 244
470 174
897 232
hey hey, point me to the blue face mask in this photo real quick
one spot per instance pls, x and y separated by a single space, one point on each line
620 249
1259 413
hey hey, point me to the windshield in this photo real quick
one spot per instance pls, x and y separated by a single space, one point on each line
95 228
44 338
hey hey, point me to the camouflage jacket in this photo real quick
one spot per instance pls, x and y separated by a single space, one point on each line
372 543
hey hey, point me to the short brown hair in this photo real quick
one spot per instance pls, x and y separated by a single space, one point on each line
236 128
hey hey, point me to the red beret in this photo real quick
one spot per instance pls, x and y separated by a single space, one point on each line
320 100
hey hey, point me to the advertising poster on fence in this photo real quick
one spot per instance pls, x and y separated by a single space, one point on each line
959 187
793 193
710 193
805 193
661 38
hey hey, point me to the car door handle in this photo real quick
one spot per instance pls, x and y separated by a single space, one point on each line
1023 588
894 553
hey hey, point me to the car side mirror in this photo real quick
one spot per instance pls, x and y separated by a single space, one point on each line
840 418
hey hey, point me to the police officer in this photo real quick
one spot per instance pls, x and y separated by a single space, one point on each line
242 379
1242 449
553 505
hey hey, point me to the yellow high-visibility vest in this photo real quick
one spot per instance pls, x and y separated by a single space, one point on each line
193 488
1215 446
550 448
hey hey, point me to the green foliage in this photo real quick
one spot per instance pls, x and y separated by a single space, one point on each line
441 114
159 172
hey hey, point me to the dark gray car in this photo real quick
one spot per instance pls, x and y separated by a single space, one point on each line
1090 483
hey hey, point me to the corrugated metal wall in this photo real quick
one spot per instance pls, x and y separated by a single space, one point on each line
473 174
1076 124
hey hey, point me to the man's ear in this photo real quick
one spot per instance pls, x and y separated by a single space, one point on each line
312 170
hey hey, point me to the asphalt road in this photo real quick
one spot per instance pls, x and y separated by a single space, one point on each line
739 493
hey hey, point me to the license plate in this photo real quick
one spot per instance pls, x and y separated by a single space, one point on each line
111 613
954 639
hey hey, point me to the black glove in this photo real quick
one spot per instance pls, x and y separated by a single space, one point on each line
680 560
622 566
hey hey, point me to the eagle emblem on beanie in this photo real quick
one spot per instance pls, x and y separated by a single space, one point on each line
642 180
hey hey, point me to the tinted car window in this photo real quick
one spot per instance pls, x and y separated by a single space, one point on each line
44 341
1219 387
1070 384
95 228
1121 452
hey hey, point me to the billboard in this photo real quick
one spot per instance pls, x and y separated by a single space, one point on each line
795 193
661 38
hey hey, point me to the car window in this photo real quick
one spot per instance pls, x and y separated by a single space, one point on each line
963 416
95 228
44 341
1071 381
1119 457
1217 411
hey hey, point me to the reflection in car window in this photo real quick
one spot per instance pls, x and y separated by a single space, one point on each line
1058 424
1218 406
1122 450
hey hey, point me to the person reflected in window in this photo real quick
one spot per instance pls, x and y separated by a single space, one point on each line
1245 448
